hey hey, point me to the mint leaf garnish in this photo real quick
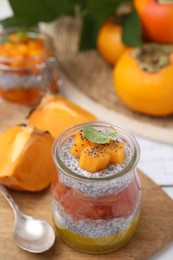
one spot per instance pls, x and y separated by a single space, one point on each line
96 136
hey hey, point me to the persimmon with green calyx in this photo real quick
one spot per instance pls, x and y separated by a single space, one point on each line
143 79
55 114
157 19
25 158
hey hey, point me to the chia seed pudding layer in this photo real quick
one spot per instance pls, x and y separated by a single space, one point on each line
92 228
14 80
94 187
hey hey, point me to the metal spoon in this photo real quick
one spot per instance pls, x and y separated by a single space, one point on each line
33 235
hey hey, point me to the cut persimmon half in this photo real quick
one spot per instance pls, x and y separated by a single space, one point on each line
25 158
56 113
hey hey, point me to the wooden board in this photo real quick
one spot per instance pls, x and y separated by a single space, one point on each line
154 232
155 229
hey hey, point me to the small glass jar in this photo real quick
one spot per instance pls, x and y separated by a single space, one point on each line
95 213
27 71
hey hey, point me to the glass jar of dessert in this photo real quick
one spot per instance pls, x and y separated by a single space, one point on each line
96 194
28 67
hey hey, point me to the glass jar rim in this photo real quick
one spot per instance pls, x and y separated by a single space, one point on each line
129 167
34 32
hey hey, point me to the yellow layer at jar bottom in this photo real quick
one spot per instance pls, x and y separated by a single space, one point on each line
97 245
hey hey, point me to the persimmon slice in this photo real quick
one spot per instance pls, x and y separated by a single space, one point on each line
56 113
25 158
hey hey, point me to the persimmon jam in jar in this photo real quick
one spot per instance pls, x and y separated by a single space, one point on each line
28 68
96 194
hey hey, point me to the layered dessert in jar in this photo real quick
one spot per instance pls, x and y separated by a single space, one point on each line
28 67
96 194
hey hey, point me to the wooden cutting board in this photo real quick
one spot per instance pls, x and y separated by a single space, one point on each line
154 232
155 229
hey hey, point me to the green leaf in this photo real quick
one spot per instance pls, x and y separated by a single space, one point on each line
96 136
93 14
90 28
81 3
132 35
41 10
15 21
103 9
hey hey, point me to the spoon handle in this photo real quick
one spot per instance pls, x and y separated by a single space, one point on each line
10 200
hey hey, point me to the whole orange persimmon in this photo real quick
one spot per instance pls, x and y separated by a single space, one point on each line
109 42
157 19
143 79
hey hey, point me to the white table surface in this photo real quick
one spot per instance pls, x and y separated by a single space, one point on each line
156 158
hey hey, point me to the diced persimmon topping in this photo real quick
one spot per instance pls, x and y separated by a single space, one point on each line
94 157
22 50
116 151
80 142
93 161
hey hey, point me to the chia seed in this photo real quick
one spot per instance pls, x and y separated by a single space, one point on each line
92 186
66 157
95 188
92 228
